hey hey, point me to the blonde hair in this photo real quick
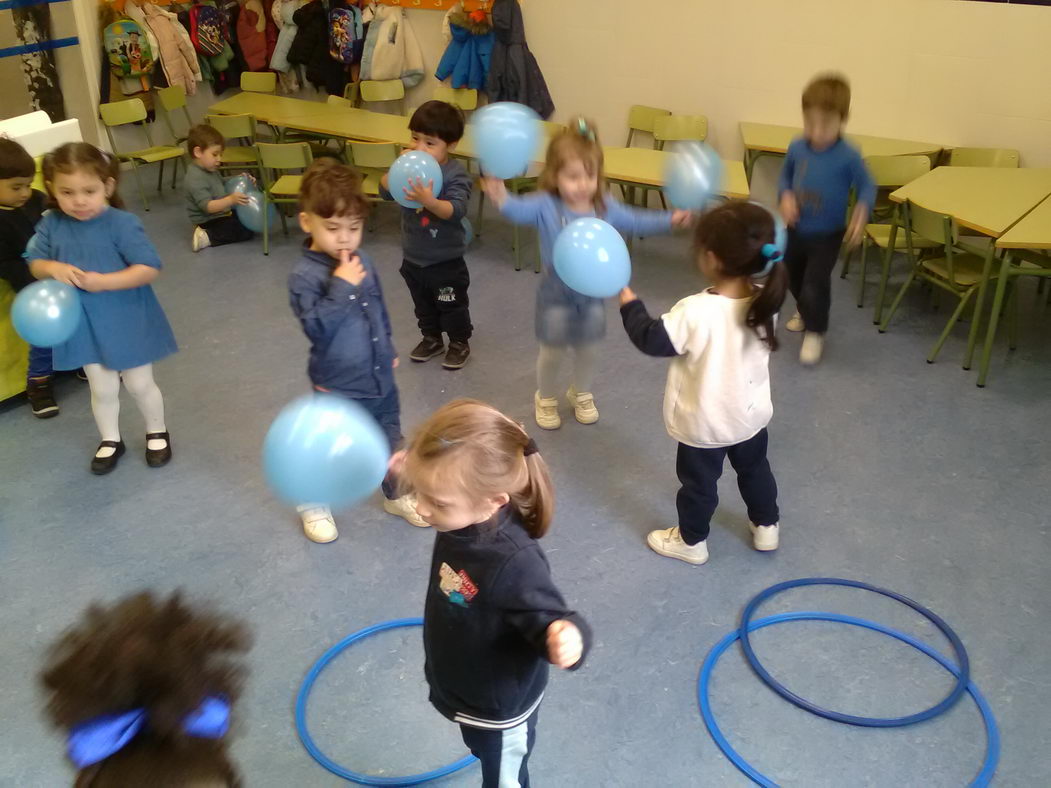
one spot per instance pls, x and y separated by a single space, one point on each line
478 449
579 140
828 92
80 156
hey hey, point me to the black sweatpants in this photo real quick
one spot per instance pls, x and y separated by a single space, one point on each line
504 754
227 230
810 260
439 293
699 471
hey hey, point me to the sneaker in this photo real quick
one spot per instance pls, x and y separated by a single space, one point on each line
41 399
668 542
427 349
201 241
764 537
810 353
583 403
795 323
318 523
547 417
405 507
457 356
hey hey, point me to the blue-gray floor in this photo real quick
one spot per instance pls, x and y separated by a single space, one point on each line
891 471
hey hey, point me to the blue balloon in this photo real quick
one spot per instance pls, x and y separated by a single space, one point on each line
468 231
324 449
251 214
506 138
592 258
407 169
46 313
693 175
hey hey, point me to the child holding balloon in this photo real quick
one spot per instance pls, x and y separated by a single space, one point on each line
91 244
571 186
717 400
335 293
207 201
493 619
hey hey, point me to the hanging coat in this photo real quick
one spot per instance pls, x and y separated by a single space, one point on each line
391 48
177 56
466 59
514 74
283 11
310 47
251 35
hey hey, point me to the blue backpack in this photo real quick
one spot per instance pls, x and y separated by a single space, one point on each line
344 31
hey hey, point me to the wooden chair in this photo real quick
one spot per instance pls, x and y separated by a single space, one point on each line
237 128
378 91
280 183
259 81
641 119
464 98
173 99
131 111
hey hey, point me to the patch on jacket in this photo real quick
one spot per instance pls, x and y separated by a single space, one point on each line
457 586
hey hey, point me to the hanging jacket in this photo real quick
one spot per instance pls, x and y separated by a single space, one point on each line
251 35
310 46
177 55
391 48
514 74
283 11
466 59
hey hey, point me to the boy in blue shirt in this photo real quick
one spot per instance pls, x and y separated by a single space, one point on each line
819 172
336 294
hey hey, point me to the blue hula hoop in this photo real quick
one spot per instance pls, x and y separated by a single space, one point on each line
324 760
963 675
992 732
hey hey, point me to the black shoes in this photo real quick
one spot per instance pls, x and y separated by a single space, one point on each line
427 349
155 458
103 465
457 356
41 398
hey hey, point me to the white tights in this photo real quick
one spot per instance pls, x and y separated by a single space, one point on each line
105 401
585 359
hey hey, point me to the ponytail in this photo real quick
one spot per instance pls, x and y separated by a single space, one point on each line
767 304
536 501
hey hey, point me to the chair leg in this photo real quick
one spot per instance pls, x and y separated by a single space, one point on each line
266 225
884 277
160 177
1012 315
537 265
953 319
861 276
972 337
284 221
138 184
994 320
846 265
897 301
515 242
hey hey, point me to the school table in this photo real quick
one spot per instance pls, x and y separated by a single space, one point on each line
1028 241
645 167
990 200
767 139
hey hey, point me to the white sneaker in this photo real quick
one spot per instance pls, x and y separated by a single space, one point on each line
547 417
405 507
764 537
810 352
795 323
668 542
583 403
318 523
200 239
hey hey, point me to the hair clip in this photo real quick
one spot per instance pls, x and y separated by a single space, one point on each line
446 443
585 130
773 256
530 448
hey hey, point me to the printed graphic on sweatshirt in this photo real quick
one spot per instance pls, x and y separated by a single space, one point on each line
457 586
447 294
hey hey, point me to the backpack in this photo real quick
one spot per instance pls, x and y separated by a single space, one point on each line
344 30
207 30
127 48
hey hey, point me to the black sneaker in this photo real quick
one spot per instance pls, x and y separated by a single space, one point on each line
457 356
41 398
428 349
82 375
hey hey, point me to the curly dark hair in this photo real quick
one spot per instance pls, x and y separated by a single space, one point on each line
163 655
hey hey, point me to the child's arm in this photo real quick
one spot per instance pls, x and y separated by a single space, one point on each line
640 221
787 201
224 204
39 253
13 267
322 309
139 255
647 334
456 193
517 210
865 189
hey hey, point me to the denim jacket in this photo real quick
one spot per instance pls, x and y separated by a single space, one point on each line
351 352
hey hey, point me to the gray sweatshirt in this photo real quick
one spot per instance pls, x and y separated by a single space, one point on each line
426 238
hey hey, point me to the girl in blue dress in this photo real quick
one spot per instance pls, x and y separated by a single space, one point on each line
571 186
89 243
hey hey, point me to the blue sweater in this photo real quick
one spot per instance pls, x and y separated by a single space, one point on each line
821 182
351 352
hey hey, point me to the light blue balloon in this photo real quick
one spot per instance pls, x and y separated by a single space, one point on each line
324 449
592 258
506 137
46 313
468 231
693 175
407 169
251 215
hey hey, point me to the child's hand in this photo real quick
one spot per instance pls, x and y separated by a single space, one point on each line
394 363
92 281
421 193
238 198
495 189
627 295
789 208
565 644
350 268
65 273
856 229
682 218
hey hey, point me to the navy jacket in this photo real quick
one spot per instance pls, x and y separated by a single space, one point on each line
351 352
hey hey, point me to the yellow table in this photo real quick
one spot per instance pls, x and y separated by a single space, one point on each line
765 139
645 167
987 199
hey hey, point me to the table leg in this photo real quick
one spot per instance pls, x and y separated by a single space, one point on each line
994 319
888 256
972 339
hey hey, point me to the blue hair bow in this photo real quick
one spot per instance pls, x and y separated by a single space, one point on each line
773 256
100 737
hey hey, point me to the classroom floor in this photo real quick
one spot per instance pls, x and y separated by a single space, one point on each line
891 471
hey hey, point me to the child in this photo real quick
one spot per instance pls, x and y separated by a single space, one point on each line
717 400
20 209
143 689
93 245
207 202
493 618
434 239
819 172
571 186
336 295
